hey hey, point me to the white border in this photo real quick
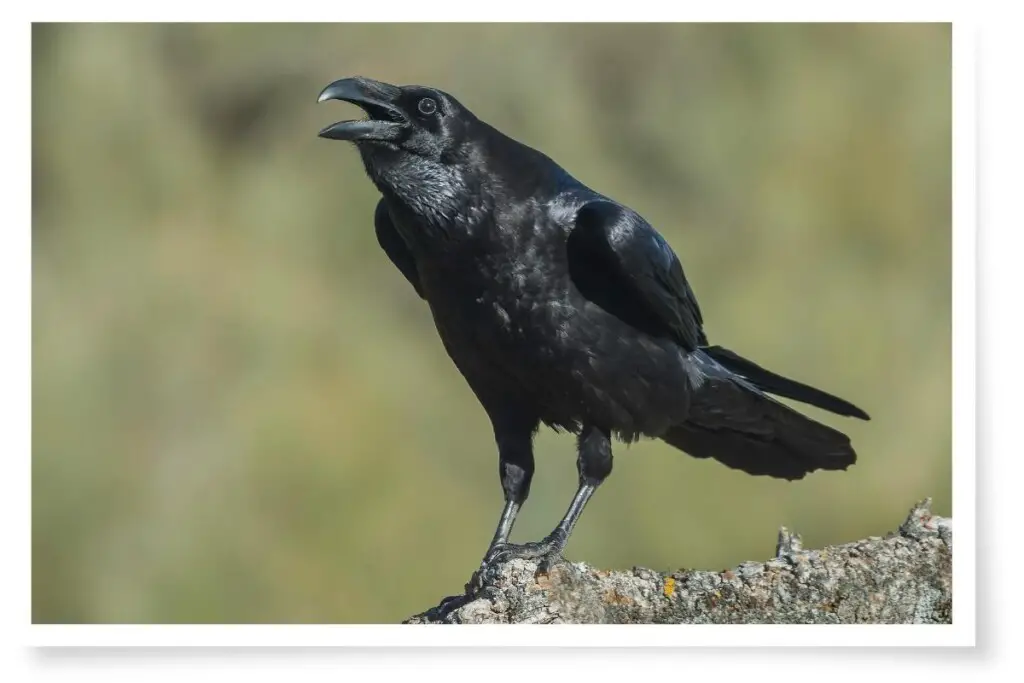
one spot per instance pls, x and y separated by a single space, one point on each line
521 11
550 635
964 321
961 632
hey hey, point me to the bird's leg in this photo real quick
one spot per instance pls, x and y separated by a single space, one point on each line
515 468
594 463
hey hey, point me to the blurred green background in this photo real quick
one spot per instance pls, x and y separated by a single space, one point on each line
241 411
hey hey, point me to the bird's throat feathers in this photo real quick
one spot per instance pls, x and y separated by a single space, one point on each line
433 192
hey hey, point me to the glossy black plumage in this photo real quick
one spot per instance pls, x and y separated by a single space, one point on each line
561 306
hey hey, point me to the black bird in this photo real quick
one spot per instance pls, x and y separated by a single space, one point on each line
561 306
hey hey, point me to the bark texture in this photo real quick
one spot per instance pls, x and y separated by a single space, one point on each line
905 577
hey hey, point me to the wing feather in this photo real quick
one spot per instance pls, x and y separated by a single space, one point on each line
394 246
618 261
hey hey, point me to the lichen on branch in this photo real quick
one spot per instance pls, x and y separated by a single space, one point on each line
905 577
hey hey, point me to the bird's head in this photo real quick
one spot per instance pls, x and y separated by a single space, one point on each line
416 119
412 137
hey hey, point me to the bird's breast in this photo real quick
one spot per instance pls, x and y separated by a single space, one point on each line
510 311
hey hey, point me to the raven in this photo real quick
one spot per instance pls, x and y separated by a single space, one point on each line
561 306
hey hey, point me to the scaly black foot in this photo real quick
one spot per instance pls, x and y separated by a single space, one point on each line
548 552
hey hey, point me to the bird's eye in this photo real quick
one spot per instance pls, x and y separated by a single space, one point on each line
427 106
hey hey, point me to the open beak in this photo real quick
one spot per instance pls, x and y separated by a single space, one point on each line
379 100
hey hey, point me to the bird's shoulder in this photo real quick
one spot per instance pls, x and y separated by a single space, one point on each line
620 261
577 206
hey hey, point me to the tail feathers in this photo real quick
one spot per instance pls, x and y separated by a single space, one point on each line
746 430
766 380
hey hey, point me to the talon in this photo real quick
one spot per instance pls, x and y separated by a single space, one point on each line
495 554
450 604
548 562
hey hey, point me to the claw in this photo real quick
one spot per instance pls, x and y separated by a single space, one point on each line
547 552
549 561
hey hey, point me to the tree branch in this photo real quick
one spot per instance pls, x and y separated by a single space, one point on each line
905 577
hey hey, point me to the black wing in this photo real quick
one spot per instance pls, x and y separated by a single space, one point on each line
618 261
394 246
